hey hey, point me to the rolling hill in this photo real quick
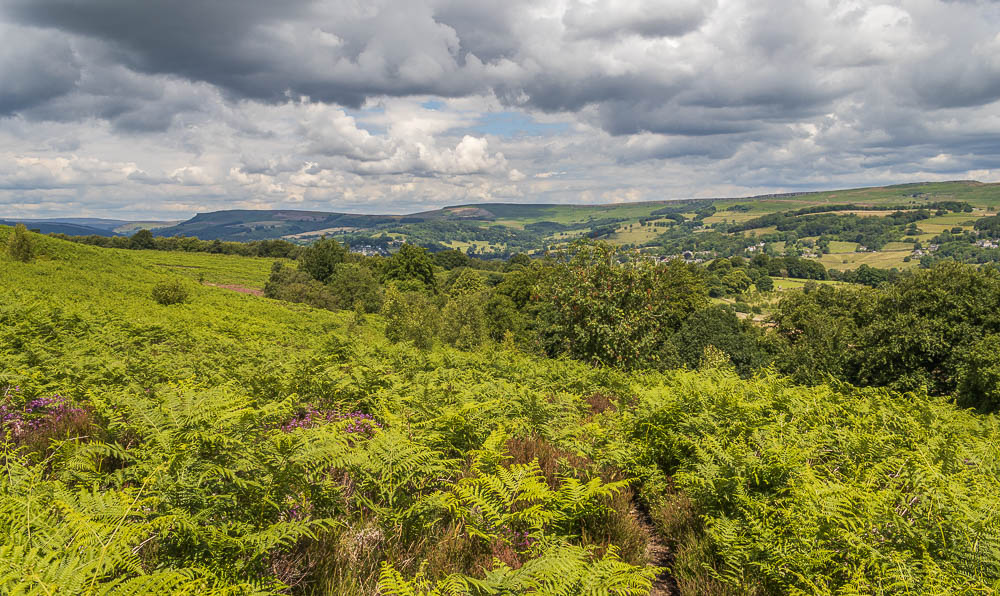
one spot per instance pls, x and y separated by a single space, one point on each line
659 227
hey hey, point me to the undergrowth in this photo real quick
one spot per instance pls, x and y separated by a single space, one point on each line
233 444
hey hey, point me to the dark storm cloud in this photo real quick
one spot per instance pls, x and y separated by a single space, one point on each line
200 40
35 66
337 52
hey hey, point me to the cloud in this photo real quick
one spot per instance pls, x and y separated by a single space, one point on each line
609 19
35 67
118 106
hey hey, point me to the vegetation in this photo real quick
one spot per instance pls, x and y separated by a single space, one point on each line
594 309
589 423
19 245
170 292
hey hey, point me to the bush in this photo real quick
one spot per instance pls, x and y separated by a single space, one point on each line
293 285
170 292
410 316
19 245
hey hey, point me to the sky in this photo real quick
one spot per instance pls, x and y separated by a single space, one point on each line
166 108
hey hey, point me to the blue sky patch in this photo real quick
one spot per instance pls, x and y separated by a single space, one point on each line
512 124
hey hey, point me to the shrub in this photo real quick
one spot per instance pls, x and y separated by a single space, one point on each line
410 316
293 285
170 292
19 245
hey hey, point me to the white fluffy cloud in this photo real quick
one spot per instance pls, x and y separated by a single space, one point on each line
118 108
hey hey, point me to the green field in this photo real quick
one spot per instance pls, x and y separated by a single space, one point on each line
249 272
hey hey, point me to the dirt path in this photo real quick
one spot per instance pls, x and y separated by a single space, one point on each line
236 288
659 554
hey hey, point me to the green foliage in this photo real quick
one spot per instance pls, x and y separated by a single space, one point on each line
466 282
921 326
737 282
411 263
172 291
450 259
321 258
142 240
294 285
560 570
19 246
464 324
744 344
353 283
410 316
595 308
241 445
979 375
831 490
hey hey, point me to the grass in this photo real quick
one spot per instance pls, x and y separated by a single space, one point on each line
788 283
840 247
251 272
882 259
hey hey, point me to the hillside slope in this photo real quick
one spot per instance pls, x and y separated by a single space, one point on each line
507 228
236 444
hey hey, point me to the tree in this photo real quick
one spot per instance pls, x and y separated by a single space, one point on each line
737 281
411 263
820 331
923 326
19 245
353 283
596 308
464 320
717 326
410 316
979 375
467 282
518 260
764 283
142 240
295 285
320 259
451 259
